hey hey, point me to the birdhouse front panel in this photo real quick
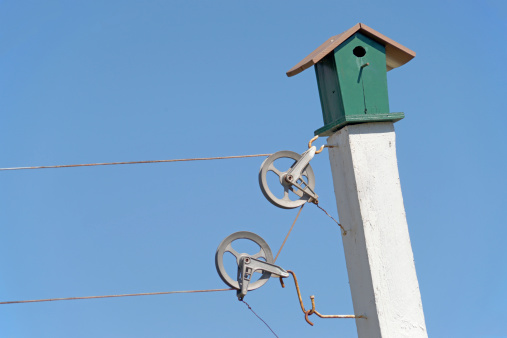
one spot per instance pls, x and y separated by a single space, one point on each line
361 67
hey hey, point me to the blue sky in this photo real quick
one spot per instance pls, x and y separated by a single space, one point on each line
103 81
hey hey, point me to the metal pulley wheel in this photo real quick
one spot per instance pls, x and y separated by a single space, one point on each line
226 246
302 196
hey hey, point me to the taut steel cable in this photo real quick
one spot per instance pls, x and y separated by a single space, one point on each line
134 162
113 296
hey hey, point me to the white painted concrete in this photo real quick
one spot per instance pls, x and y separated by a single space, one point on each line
378 252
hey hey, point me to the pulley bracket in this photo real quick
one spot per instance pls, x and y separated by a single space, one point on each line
298 179
248 264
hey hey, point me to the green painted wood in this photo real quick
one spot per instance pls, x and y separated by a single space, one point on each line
353 85
329 89
330 128
374 78
364 89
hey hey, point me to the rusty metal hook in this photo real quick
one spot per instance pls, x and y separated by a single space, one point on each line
310 145
309 313
312 310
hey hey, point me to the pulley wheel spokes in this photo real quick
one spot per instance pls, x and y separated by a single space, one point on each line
287 201
226 246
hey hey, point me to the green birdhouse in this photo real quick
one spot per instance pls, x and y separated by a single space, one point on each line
351 71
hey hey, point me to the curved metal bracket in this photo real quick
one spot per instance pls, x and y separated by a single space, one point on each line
312 310
310 145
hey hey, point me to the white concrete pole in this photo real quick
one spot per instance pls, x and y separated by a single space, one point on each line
378 252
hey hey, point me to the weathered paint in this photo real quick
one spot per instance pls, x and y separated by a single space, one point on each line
378 252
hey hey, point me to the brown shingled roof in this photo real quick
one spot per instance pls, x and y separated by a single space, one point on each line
396 54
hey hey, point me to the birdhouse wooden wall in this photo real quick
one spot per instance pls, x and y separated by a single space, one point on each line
352 82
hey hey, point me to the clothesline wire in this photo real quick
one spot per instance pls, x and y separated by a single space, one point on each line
113 296
134 162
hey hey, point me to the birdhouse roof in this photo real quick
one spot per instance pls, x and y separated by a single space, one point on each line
396 54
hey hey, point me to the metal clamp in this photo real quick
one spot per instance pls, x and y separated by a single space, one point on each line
247 264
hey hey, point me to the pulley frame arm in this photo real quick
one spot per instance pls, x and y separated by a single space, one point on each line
248 265
294 173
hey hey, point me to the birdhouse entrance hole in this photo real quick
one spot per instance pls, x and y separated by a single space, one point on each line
359 51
